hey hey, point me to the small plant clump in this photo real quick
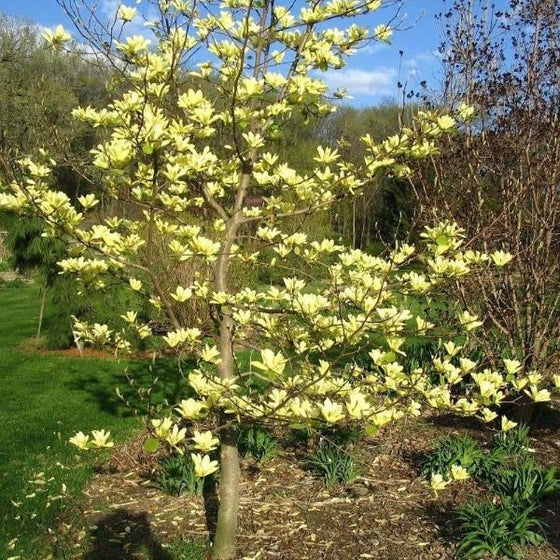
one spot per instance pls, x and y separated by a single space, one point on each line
514 441
462 451
257 442
176 476
505 522
495 529
524 482
191 549
333 464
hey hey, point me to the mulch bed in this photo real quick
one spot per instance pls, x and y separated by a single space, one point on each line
286 514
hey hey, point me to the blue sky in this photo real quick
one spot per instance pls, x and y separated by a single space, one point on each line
370 76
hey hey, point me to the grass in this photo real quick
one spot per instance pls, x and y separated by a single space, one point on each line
45 399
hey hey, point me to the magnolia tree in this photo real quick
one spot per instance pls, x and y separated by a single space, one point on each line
262 66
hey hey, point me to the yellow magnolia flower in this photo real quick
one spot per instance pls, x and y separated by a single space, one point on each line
134 45
469 321
274 362
204 246
88 201
487 388
451 348
126 13
437 482
253 140
182 294
512 366
507 424
331 411
101 333
466 111
203 466
501 258
466 365
556 379
383 33
114 154
210 354
326 155
162 427
488 415
175 436
373 5
459 473
101 438
538 396
135 284
243 316
518 384
466 406
80 440
301 407
445 122
180 336
57 37
205 441
357 405
143 331
130 316
191 408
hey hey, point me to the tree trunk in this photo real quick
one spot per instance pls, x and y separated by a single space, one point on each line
41 313
226 529
354 223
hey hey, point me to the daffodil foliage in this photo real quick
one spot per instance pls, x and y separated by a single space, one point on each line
163 156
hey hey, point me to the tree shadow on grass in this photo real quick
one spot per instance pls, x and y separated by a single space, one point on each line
164 382
125 535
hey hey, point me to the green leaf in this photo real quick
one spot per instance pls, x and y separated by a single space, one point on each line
148 149
390 357
151 445
372 429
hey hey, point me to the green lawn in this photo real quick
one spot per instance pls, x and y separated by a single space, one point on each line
44 400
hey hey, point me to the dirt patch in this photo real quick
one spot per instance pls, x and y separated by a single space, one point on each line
29 346
11 276
389 513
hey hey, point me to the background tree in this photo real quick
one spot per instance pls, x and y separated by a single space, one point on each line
40 87
384 210
500 177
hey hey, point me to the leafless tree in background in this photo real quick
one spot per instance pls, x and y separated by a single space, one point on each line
500 178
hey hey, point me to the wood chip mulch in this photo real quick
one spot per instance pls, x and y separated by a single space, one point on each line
389 513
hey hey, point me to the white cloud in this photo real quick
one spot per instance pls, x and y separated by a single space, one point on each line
381 81
421 59
374 48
